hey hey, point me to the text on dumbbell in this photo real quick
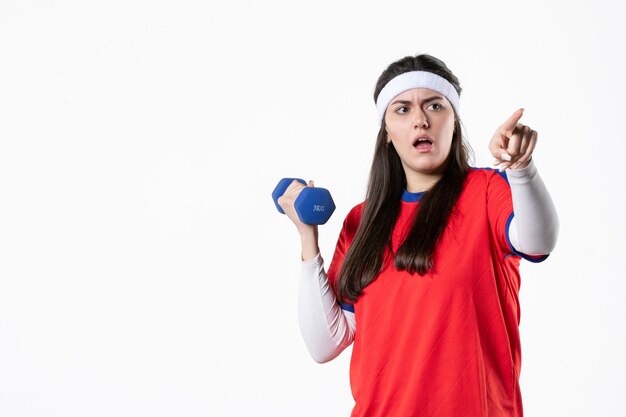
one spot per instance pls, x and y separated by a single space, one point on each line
318 208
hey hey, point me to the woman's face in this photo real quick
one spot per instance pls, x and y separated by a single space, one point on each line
420 124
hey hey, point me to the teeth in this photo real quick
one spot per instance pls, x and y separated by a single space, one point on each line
420 140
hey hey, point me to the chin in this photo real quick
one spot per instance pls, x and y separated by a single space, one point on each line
429 169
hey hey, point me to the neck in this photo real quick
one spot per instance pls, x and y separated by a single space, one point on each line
417 183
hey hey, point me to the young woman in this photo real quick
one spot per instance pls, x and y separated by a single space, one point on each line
425 276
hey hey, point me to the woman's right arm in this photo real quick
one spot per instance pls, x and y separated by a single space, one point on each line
327 329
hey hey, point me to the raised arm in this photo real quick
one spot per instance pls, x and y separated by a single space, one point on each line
535 226
327 329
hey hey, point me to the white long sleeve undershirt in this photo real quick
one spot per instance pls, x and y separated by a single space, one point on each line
535 226
328 329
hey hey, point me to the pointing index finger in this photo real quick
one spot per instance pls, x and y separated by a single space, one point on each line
509 125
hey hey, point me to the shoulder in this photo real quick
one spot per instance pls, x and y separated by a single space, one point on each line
486 173
351 223
484 185
486 176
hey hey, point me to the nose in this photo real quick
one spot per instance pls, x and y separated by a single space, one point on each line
420 120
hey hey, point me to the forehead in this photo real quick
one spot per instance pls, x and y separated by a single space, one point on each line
417 95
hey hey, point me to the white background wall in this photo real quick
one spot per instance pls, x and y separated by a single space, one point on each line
144 270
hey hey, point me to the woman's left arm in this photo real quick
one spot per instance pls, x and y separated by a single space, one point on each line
535 225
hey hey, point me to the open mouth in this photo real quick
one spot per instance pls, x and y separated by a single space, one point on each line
422 143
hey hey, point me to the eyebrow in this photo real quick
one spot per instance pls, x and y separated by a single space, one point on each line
427 100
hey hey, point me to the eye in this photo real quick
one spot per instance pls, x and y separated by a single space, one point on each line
398 110
435 106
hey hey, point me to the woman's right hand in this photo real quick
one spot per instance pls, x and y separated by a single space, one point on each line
288 200
308 232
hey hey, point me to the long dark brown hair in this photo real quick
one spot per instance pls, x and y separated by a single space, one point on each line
364 260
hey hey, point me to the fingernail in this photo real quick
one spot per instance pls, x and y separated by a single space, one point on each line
505 156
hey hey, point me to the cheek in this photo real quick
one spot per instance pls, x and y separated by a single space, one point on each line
394 133
446 135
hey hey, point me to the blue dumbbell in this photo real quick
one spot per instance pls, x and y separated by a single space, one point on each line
314 205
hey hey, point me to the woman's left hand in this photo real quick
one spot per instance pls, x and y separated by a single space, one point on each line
513 143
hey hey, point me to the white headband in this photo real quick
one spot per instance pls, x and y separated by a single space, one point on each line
415 79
